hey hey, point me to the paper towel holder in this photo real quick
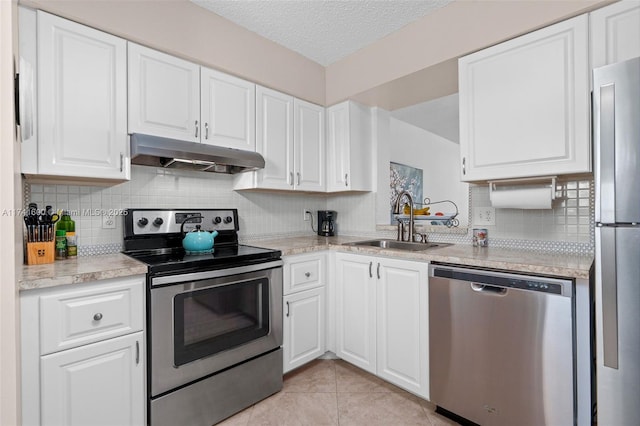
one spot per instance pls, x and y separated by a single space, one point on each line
541 181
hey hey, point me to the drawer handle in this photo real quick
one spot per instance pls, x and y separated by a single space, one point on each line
307 274
97 317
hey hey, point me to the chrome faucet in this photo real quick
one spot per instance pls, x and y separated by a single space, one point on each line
396 210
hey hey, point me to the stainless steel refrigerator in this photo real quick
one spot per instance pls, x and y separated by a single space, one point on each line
616 118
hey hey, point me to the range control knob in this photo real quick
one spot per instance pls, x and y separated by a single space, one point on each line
158 221
143 221
217 220
228 219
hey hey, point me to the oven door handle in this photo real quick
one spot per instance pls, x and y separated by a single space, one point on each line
218 273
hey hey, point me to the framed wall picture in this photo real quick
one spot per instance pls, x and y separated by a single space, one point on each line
403 177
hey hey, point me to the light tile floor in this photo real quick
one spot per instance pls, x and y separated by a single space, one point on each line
333 392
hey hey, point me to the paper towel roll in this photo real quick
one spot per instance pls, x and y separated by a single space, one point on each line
521 198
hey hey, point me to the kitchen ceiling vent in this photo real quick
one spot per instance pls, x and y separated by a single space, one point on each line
157 151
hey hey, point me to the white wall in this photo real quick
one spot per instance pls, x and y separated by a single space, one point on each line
439 160
10 243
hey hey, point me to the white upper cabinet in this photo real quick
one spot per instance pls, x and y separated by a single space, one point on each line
164 95
525 105
349 148
81 76
615 33
177 99
309 146
274 139
290 137
227 110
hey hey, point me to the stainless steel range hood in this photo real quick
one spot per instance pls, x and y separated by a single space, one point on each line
157 151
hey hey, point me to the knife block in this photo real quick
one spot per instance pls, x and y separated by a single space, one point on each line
40 253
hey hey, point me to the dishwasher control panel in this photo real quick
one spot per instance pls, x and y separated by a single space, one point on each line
494 279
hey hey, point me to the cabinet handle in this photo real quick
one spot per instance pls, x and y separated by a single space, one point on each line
464 168
121 162
378 270
291 178
307 274
137 352
298 175
346 179
206 130
370 273
97 317
287 308
196 129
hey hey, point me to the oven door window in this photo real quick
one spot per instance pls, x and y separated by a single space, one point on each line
218 318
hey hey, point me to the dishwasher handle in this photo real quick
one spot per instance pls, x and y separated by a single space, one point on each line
488 289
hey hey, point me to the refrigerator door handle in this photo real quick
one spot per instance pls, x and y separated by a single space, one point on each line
605 139
609 286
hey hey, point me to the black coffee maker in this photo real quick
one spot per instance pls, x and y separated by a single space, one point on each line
326 223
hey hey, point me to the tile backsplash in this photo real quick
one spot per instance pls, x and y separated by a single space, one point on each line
568 226
262 214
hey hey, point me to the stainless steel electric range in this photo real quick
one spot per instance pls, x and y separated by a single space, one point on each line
214 320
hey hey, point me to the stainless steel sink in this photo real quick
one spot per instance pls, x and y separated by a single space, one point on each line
397 245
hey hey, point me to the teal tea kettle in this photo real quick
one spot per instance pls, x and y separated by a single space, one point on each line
197 240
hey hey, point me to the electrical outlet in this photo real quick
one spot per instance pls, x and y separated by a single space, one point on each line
108 222
484 216
306 215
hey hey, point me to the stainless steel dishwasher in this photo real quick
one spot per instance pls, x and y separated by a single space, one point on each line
501 347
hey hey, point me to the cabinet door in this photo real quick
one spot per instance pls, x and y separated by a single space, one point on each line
164 95
525 105
615 33
303 327
97 384
402 325
356 311
82 87
227 110
309 146
338 139
274 138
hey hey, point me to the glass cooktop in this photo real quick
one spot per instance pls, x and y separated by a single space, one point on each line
178 260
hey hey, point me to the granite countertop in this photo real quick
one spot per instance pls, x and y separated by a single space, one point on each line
94 268
79 270
535 262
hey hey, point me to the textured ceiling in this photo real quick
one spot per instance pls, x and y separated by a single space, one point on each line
324 31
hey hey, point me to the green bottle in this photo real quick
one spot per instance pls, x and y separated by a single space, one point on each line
67 224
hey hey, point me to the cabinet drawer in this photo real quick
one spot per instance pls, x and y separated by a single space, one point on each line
76 317
304 272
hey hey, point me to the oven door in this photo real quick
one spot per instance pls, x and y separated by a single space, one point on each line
204 322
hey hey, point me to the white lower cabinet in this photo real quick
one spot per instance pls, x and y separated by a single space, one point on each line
402 324
356 310
303 327
83 354
97 384
382 318
304 306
